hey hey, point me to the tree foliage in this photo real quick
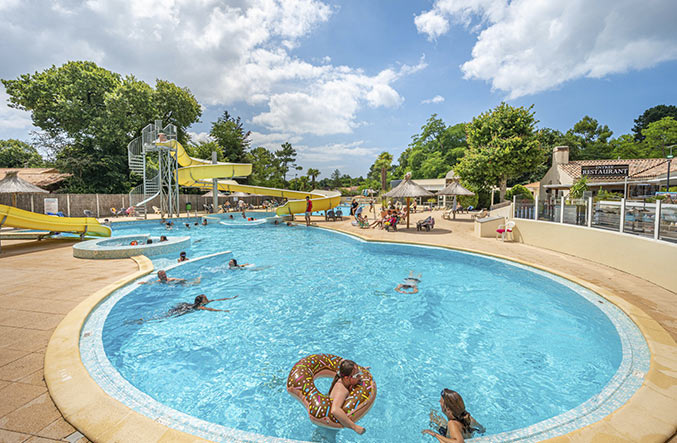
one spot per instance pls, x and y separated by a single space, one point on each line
88 115
229 134
266 170
652 115
588 140
18 154
579 187
312 174
203 150
286 156
658 136
520 192
502 144
433 151
381 171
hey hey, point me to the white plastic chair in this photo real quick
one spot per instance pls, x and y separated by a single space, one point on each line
505 230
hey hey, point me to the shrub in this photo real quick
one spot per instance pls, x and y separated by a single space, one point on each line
520 191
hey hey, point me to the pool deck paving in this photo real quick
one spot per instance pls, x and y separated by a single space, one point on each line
42 282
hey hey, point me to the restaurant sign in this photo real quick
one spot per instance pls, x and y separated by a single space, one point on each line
604 170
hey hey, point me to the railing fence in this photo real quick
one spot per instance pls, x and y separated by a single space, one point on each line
645 218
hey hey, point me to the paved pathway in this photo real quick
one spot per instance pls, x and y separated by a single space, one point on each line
41 282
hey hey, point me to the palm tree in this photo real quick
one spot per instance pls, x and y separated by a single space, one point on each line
313 173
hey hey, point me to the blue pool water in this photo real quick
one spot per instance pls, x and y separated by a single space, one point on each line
518 346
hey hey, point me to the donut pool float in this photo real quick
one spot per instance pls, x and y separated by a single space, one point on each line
301 385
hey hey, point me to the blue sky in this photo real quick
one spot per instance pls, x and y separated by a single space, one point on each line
344 80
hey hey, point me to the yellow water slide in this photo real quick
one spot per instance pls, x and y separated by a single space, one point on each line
18 218
196 173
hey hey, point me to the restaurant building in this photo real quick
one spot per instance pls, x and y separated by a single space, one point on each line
633 178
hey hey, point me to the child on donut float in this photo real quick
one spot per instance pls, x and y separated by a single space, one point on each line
345 379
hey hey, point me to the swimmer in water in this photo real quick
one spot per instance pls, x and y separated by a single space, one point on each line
204 222
182 257
410 283
184 308
162 278
200 304
232 264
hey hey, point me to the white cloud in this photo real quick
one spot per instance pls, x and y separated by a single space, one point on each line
200 137
350 158
528 46
11 118
436 99
273 140
432 23
226 52
330 103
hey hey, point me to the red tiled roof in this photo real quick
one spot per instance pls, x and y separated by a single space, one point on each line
638 168
42 177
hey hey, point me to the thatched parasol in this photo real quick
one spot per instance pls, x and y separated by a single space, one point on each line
14 185
455 189
211 194
408 189
239 194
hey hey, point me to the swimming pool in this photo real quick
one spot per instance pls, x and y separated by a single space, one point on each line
522 347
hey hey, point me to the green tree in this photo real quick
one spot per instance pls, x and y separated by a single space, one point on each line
312 173
88 115
658 135
203 150
652 115
336 178
229 133
520 191
266 169
18 154
579 187
287 158
300 184
381 170
588 140
502 144
445 144
627 147
548 138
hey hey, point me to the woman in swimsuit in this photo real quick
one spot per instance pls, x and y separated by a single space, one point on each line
411 283
459 424
199 304
345 379
232 264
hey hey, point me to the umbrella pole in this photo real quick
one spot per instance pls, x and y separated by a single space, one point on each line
407 212
454 207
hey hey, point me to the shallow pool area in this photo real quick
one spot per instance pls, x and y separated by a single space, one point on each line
531 353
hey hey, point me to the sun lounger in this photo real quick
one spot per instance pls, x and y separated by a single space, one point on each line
156 210
482 214
391 223
88 213
339 214
427 224
330 214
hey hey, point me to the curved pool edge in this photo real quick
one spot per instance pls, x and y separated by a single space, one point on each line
80 400
101 418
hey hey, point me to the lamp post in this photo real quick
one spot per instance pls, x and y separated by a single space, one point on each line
669 157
